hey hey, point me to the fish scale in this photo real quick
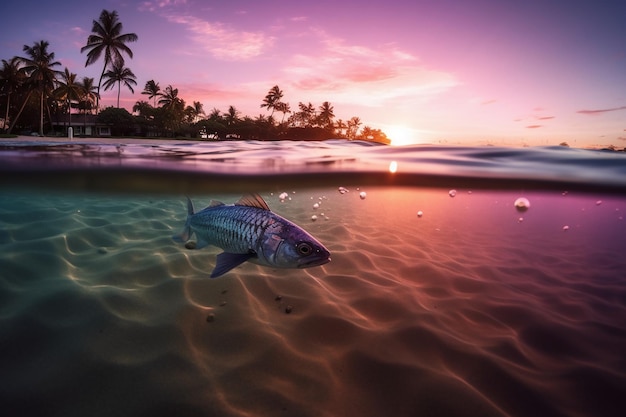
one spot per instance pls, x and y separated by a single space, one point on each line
232 228
249 231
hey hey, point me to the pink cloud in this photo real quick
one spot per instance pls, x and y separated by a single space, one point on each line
367 75
155 5
534 126
211 93
222 41
595 112
545 118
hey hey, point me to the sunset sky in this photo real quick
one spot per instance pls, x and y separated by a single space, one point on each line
504 72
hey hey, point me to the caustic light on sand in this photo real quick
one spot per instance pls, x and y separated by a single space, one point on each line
522 204
393 167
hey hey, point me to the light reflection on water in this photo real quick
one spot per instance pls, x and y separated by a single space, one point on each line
181 164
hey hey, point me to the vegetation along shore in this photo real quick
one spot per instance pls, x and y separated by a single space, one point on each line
38 98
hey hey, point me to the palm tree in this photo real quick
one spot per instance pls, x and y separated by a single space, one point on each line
232 116
107 38
306 115
169 98
326 115
272 98
68 90
11 78
173 108
353 127
214 115
38 67
142 108
153 90
88 100
284 108
340 126
90 96
198 109
119 74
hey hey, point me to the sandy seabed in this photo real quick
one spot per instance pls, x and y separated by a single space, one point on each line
472 309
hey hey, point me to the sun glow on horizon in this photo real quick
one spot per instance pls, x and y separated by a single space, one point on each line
401 135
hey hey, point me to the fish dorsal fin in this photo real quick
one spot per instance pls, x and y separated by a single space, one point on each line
252 200
215 203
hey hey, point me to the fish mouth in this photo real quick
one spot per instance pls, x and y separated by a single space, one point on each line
317 261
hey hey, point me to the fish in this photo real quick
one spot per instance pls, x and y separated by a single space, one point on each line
249 231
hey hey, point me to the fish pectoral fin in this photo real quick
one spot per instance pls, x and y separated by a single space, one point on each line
227 261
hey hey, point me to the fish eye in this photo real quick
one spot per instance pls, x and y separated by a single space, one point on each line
304 248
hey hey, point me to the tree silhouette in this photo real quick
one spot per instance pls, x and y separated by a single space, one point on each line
119 74
326 116
107 38
272 99
68 90
38 67
153 90
11 78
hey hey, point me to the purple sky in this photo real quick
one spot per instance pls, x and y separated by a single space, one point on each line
537 72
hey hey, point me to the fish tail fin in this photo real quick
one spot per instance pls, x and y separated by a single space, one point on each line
185 235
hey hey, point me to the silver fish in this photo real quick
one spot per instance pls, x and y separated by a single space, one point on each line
249 231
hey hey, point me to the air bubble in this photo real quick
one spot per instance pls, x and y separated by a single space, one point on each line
522 204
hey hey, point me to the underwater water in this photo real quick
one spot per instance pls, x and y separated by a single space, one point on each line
446 294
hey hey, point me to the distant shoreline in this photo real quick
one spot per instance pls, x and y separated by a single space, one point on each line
107 141
136 140
170 141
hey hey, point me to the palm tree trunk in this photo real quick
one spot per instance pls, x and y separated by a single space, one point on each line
106 63
6 117
49 115
119 88
41 115
69 112
19 113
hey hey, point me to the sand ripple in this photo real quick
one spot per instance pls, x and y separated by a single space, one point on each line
464 311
